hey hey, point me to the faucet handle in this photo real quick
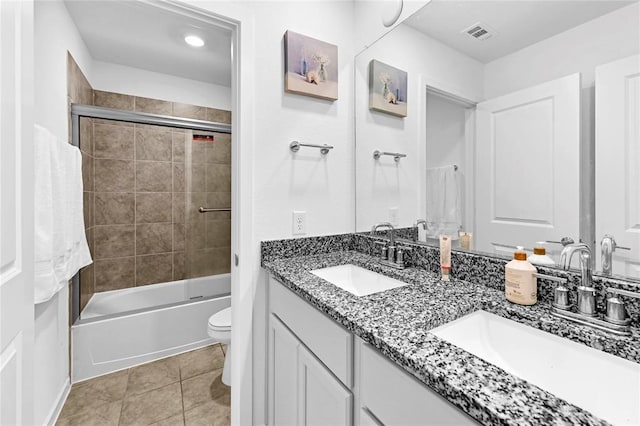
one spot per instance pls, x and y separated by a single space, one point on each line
560 293
616 310
384 250
564 241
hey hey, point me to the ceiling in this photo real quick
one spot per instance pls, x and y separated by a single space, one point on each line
517 23
141 35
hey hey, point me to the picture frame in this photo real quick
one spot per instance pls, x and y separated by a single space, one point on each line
387 89
310 66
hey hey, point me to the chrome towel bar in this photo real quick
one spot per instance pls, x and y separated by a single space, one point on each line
207 210
294 146
396 155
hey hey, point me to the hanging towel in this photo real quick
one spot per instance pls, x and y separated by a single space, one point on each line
443 202
60 242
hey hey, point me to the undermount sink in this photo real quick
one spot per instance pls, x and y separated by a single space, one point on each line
356 280
603 384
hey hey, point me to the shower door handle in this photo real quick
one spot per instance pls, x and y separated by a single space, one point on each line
236 259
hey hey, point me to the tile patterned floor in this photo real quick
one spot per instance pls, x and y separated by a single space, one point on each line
182 390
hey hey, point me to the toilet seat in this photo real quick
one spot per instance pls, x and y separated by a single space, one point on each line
220 321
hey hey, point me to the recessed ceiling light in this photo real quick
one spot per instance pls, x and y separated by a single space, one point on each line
194 41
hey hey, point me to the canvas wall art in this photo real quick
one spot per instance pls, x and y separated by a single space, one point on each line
387 89
310 66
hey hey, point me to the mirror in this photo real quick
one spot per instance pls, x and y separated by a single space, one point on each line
499 138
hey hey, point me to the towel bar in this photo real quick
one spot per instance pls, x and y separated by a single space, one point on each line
295 147
207 210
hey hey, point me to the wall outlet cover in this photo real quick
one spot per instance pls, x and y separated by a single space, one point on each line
299 222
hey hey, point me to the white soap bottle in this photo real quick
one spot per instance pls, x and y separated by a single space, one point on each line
540 257
520 282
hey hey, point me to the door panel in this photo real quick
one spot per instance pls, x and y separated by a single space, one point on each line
618 161
283 374
16 212
527 166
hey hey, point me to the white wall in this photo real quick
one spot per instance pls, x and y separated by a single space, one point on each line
605 39
384 184
54 35
137 82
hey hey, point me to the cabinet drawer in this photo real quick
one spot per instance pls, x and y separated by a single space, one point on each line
395 397
332 344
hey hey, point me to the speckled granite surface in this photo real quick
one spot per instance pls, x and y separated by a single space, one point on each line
397 323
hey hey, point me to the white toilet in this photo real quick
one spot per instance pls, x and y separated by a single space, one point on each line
220 329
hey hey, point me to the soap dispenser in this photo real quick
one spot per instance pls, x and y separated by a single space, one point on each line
520 282
540 257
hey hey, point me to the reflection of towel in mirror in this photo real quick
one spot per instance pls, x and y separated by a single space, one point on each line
443 202
60 241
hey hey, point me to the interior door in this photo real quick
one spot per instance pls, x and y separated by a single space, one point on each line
618 161
16 212
527 166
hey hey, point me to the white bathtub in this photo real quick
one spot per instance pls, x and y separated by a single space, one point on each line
123 328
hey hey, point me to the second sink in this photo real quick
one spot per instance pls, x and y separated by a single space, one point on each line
356 280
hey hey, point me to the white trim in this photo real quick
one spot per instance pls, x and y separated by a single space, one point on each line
52 418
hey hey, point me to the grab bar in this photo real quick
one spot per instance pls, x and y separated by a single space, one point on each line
396 155
207 210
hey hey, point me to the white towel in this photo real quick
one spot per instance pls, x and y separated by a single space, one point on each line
443 202
60 242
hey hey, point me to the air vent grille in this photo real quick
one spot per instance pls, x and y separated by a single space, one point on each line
479 31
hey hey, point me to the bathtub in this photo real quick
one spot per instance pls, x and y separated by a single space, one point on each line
123 328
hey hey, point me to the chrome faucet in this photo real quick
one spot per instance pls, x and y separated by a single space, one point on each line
586 292
392 230
421 222
608 245
390 255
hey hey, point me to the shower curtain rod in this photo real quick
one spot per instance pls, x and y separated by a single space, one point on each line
78 110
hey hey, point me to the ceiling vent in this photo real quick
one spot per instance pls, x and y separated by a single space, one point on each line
479 31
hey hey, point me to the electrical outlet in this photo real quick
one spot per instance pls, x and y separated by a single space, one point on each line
393 216
299 222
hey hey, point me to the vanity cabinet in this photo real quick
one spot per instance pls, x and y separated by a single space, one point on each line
319 373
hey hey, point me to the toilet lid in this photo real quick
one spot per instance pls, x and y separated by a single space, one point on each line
221 320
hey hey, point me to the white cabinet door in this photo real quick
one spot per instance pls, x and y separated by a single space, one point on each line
618 161
16 212
323 400
283 371
527 166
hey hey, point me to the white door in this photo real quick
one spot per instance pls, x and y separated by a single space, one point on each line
322 398
618 161
527 166
16 212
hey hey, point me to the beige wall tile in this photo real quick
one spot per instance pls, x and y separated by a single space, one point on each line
154 268
218 115
153 238
179 144
91 239
113 100
198 151
179 177
220 150
221 260
189 111
179 207
114 208
200 263
195 200
114 241
152 106
86 135
179 265
219 199
218 178
153 143
218 233
198 178
196 235
87 209
153 176
113 141
179 232
114 176
153 207
112 122
113 274
87 172
87 287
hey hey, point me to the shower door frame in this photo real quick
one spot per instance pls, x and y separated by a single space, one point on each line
88 111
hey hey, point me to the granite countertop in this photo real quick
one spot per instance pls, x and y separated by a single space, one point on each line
397 323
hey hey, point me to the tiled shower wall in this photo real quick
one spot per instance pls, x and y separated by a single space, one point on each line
143 187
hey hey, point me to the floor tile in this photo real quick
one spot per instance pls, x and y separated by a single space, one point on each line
153 406
200 361
214 413
85 397
104 415
153 375
203 388
171 421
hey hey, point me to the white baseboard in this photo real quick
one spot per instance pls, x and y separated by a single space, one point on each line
62 398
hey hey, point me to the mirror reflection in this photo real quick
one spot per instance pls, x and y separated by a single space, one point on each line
522 128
